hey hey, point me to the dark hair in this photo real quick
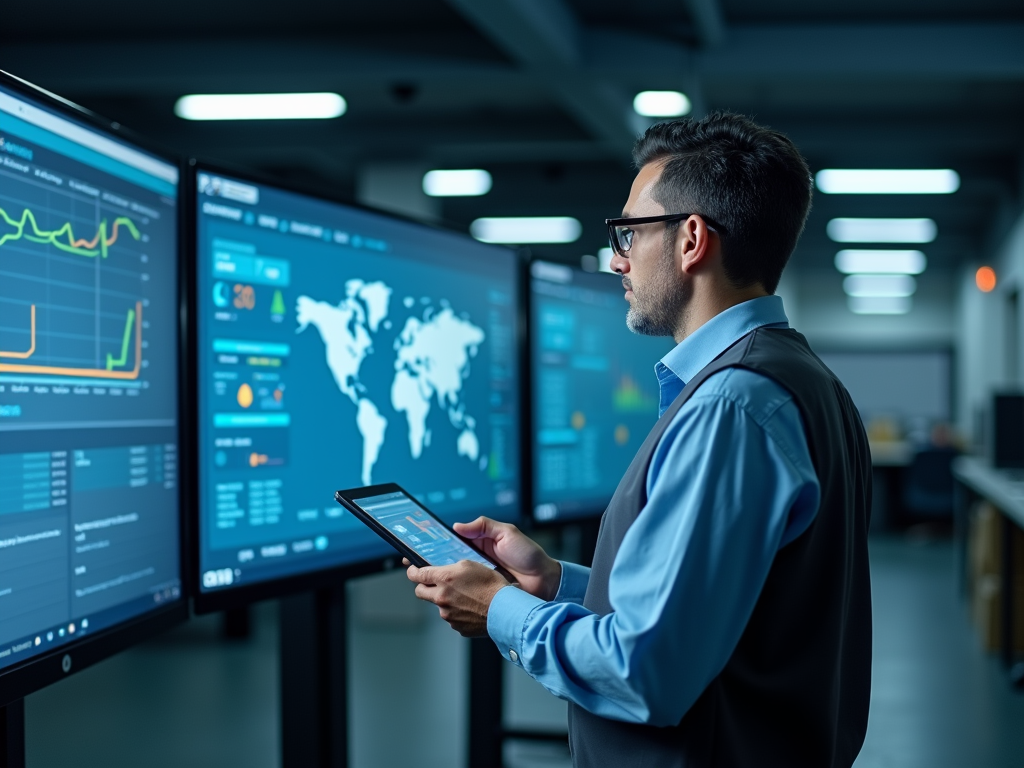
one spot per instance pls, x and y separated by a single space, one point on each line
749 179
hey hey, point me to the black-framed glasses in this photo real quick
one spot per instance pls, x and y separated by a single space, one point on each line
620 231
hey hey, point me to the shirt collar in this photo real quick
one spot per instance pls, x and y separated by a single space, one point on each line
719 333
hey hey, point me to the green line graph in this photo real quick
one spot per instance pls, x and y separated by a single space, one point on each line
117 362
64 238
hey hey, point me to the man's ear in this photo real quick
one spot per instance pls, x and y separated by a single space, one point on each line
693 245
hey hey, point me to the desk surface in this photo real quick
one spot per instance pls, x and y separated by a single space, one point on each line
1004 491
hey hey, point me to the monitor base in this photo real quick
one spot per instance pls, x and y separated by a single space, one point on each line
314 706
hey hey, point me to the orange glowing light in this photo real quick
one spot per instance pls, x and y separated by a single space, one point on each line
985 278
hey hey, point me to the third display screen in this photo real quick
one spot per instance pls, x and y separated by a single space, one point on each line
595 394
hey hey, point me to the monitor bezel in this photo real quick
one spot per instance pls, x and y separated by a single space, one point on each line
40 671
234 597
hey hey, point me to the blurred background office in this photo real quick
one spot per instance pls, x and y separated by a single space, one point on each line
907 283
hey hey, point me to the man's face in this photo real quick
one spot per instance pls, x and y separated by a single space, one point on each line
655 289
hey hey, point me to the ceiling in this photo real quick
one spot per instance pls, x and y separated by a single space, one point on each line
539 92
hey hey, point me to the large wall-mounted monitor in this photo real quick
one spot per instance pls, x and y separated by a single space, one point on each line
90 522
339 347
594 392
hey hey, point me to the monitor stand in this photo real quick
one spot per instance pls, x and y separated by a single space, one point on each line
314 706
12 735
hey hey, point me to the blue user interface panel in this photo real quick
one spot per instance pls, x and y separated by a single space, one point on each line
418 530
89 513
342 348
595 394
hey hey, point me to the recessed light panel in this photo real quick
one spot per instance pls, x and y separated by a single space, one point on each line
467 182
662 104
260 106
879 286
849 230
880 262
525 230
879 305
848 181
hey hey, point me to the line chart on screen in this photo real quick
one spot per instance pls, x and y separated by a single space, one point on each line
73 279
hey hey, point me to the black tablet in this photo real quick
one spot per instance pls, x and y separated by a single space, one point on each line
408 526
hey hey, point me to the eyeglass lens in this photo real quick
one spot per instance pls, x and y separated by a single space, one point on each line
624 236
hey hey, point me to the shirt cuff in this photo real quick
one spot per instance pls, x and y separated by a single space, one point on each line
506 618
573 585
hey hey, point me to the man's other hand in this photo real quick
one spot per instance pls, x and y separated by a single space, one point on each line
517 553
462 592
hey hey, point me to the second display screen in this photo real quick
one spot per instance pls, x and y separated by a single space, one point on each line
340 348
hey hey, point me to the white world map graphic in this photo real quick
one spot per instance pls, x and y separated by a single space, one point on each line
432 357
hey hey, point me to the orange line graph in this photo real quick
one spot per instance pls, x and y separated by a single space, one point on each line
32 347
92 373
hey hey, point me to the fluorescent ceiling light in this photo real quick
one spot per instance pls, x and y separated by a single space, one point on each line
845 181
469 182
882 230
878 286
260 106
879 305
661 104
527 229
851 262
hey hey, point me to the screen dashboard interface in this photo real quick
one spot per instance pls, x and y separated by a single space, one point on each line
89 515
418 530
343 348
595 394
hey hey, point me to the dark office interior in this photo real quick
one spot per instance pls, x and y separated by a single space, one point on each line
908 287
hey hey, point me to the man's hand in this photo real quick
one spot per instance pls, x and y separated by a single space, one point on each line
518 554
463 593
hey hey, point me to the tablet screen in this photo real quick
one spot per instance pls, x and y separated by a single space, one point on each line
419 530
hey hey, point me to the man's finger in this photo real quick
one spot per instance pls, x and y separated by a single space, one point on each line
481 528
426 575
426 592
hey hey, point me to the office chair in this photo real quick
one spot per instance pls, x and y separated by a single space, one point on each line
928 484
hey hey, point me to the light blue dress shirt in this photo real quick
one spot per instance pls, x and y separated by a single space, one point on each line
731 482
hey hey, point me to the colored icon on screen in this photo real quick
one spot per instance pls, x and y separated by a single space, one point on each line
277 307
622 434
220 294
245 396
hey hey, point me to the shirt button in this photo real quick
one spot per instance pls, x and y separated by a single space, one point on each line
513 656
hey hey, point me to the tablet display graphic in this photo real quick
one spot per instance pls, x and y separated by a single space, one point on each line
418 530
343 348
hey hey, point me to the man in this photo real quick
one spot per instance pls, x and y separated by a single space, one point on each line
726 620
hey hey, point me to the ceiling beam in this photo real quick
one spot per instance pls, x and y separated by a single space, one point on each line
544 37
708 20
621 59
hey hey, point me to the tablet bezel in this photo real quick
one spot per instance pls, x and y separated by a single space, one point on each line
349 500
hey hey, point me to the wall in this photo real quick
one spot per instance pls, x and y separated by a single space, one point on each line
982 331
828 323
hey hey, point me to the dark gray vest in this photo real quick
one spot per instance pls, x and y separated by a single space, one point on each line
795 690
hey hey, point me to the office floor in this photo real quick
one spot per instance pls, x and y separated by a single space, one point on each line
189 698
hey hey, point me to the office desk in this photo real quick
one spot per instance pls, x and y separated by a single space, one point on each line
1006 493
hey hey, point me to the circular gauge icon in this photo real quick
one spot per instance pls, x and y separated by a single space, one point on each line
220 294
